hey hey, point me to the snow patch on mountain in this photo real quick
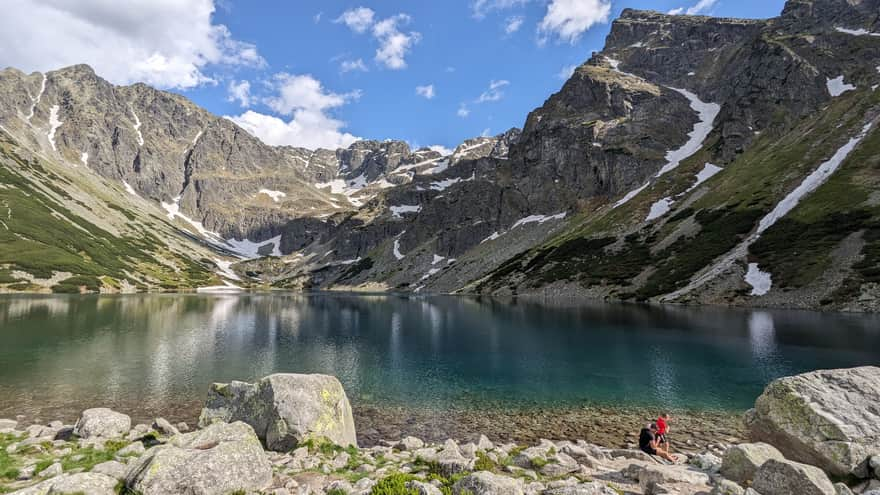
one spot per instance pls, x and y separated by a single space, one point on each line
837 87
84 158
397 253
760 281
856 32
275 195
54 124
659 208
173 210
137 126
398 211
707 113
538 219
630 195
250 249
707 173
224 269
812 181
130 190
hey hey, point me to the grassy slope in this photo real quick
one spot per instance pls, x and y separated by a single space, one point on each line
609 248
40 235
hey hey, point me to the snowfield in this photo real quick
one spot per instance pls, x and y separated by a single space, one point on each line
707 113
398 211
837 87
760 281
275 195
54 124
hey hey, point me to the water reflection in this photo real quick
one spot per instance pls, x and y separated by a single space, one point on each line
155 352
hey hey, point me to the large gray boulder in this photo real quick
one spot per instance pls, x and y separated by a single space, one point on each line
792 478
660 478
220 459
742 461
589 488
827 418
101 422
285 409
486 483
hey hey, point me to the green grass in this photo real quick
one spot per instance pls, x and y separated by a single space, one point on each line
9 466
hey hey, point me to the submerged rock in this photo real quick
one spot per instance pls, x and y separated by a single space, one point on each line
102 423
826 418
285 409
219 459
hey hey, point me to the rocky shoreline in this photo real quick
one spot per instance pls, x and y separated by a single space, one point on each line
295 434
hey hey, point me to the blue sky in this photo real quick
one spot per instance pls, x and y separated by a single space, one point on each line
315 75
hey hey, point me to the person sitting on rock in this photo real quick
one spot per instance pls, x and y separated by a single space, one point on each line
663 430
650 444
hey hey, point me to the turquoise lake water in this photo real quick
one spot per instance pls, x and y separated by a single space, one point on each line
154 355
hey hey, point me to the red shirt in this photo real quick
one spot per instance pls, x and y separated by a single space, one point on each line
661 426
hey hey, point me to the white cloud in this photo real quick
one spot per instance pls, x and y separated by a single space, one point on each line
240 92
701 7
308 103
494 93
566 72
307 129
443 150
513 24
480 8
426 91
358 20
463 111
353 65
568 19
317 17
393 44
169 44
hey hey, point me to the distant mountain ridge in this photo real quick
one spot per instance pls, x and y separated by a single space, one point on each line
650 175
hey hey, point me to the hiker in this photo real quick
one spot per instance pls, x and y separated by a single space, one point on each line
649 443
663 430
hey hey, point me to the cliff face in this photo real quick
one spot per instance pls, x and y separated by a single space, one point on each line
648 175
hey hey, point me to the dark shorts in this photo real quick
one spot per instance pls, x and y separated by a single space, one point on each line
649 450
661 438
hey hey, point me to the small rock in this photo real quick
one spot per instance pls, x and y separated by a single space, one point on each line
103 423
51 471
182 427
727 487
707 462
164 427
342 485
26 472
784 477
591 488
423 488
364 485
114 469
469 450
410 444
484 443
132 449
340 461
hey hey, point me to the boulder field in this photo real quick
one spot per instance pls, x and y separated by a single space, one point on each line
813 434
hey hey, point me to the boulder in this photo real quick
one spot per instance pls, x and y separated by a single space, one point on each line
285 409
742 461
410 443
842 489
73 484
219 459
706 461
486 483
658 478
132 449
777 477
8 424
827 418
53 470
727 487
102 423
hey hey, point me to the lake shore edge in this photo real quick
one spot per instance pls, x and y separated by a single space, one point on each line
290 433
